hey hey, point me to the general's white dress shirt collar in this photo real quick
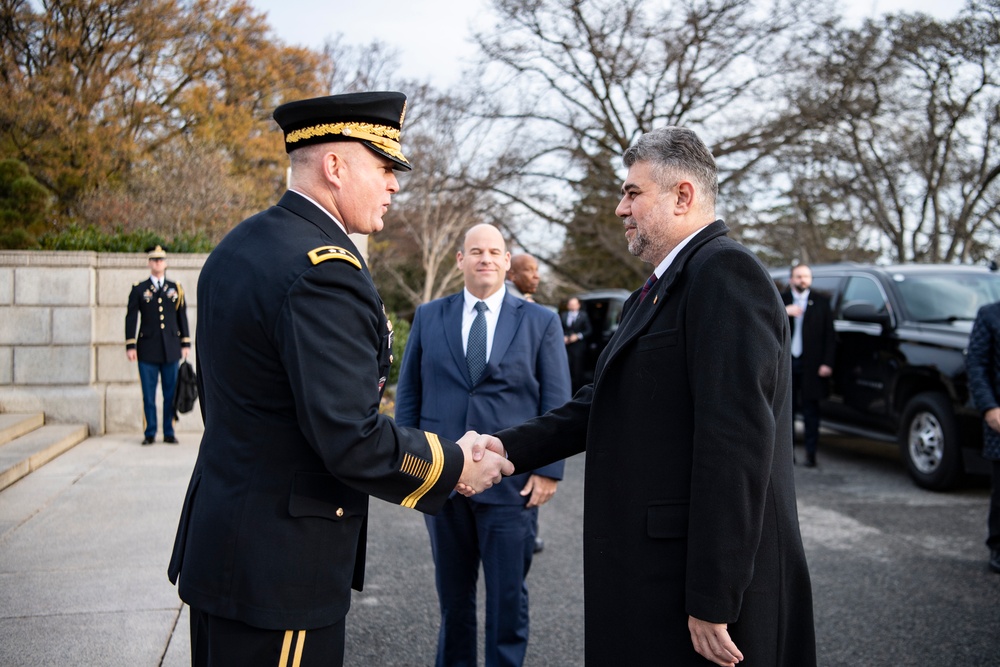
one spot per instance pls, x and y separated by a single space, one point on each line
317 204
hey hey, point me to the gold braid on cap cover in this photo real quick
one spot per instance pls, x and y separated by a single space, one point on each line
387 138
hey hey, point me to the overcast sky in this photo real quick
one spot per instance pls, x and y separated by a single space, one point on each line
432 36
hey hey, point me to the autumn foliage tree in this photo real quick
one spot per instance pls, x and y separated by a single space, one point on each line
96 95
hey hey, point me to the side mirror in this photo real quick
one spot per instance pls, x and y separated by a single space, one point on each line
862 311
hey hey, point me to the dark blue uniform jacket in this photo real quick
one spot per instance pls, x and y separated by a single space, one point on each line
293 352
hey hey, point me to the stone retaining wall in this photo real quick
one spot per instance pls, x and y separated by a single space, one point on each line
62 336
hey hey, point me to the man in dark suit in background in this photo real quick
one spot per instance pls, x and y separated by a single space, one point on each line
813 348
294 349
691 540
457 376
163 339
576 331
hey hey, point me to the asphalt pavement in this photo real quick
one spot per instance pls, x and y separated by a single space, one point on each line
899 574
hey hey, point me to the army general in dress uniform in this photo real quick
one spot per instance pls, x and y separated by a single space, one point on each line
294 349
158 306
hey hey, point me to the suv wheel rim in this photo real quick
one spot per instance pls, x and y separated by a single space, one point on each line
926 442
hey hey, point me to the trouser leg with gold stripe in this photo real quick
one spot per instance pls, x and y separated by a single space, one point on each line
217 641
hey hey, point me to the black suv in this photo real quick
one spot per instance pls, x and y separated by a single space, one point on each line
902 333
604 309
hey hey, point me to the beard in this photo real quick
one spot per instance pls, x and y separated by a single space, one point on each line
638 244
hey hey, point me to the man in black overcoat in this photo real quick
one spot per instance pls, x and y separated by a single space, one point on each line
813 349
691 538
294 349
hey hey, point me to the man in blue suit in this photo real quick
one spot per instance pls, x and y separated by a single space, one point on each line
483 359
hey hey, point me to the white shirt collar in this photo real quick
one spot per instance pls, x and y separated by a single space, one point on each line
493 301
662 267
320 207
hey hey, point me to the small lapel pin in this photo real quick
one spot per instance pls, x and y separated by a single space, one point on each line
655 299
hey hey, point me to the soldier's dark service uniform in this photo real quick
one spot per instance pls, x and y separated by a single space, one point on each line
294 349
161 313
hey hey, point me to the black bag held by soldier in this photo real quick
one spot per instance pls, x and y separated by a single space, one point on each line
186 392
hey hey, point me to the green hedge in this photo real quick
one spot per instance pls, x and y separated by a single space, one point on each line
401 331
91 238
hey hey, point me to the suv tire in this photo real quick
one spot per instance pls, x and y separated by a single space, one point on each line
928 440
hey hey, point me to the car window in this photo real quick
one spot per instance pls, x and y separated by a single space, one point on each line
827 286
862 288
946 297
614 315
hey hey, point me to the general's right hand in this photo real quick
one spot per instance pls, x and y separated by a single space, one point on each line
482 468
484 443
130 353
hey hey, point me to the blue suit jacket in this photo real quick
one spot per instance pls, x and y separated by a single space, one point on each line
526 376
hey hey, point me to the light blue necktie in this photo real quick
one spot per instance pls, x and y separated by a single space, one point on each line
475 349
797 325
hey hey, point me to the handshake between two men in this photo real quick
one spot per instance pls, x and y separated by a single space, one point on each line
485 463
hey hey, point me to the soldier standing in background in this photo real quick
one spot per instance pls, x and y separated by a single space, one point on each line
159 307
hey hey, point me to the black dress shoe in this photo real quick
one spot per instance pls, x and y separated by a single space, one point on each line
147 441
995 561
539 545
170 440
810 462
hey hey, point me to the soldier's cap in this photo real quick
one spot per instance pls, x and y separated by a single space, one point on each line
375 119
156 252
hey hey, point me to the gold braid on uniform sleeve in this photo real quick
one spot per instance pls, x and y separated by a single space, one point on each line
431 474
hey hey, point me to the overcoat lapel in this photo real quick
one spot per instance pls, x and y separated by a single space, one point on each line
637 316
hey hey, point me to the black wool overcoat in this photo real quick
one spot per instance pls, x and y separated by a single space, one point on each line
689 496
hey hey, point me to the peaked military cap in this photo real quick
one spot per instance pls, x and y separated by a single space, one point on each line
156 253
375 119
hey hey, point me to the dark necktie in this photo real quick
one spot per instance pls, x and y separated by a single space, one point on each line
648 286
475 349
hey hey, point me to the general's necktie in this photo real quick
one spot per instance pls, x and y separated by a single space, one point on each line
475 349
648 286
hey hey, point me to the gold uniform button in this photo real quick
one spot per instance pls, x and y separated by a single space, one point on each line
340 512
159 301
162 325
161 309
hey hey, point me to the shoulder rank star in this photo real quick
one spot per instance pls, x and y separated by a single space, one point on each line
323 253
